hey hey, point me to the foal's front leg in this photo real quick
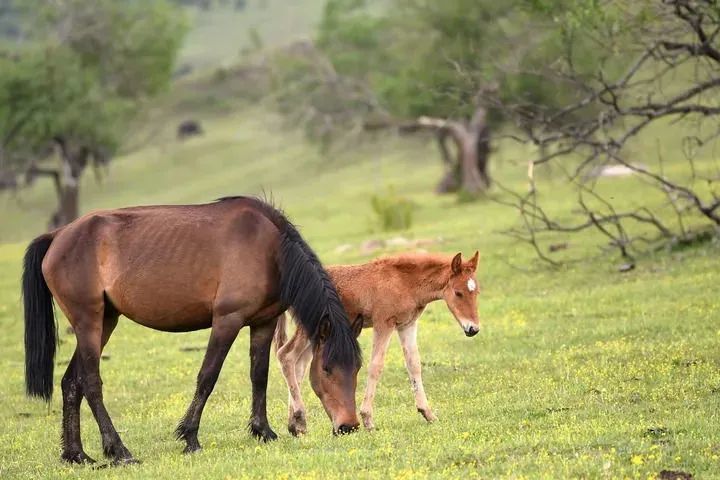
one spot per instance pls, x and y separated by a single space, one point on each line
260 340
381 339
408 340
293 356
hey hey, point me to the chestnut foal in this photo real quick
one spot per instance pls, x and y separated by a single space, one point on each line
388 294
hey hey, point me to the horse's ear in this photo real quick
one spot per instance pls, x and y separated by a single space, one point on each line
473 262
357 325
324 329
456 264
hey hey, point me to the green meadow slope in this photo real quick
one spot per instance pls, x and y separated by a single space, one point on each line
579 372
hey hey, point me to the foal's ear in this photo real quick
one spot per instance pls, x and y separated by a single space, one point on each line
324 329
456 264
357 326
473 262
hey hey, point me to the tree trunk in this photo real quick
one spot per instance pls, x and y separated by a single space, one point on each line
469 171
67 184
68 198
451 180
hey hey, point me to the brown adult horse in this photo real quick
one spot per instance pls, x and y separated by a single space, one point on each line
233 263
388 294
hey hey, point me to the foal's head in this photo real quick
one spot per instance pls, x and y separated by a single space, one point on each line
461 293
333 374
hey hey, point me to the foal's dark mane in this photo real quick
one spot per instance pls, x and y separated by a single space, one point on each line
306 287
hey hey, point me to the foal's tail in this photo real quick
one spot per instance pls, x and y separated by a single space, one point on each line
40 328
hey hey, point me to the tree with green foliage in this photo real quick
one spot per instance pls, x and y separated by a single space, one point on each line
447 67
74 87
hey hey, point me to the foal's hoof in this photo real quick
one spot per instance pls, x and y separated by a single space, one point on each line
296 430
297 425
263 433
427 414
77 457
367 419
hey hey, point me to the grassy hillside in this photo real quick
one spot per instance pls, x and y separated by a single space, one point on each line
579 372
220 35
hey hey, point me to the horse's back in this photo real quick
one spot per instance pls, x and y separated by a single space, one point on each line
164 266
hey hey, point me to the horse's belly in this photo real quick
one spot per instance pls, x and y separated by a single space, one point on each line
163 308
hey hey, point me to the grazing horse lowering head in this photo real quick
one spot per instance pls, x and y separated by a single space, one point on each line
461 292
333 376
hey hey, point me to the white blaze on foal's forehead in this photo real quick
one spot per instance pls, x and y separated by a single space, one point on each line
471 285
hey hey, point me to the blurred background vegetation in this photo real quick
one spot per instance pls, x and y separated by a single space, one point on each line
569 91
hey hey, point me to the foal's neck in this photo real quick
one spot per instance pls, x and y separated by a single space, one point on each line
425 275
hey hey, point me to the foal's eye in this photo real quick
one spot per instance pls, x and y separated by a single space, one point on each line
458 294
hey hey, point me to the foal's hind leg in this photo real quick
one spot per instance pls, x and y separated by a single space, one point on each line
260 340
89 330
222 337
72 398
293 356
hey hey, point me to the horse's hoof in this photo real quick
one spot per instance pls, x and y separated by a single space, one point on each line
121 462
264 434
427 415
191 449
268 435
77 457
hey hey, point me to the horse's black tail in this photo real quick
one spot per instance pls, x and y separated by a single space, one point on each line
306 287
40 328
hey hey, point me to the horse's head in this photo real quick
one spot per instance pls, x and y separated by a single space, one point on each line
333 375
461 293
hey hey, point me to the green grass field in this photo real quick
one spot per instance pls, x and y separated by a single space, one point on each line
579 372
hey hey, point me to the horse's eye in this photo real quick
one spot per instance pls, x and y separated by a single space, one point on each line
458 294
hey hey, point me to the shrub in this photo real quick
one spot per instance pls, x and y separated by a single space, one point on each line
392 211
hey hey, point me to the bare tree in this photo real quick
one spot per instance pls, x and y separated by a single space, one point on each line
681 38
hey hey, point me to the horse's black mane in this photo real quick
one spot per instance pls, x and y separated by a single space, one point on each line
306 287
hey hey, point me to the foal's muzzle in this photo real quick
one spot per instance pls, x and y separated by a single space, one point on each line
471 330
346 429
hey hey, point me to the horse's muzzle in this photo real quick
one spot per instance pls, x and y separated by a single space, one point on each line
471 330
346 429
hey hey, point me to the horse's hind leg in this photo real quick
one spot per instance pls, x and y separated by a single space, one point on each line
72 391
72 397
92 331
221 339
260 340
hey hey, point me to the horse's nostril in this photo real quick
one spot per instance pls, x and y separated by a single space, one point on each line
345 429
471 330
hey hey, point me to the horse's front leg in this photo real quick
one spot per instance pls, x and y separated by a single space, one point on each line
222 336
260 341
293 357
408 340
381 339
